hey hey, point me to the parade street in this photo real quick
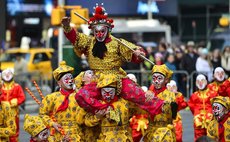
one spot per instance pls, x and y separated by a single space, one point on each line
187 119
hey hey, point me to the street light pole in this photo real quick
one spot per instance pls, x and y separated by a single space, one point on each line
60 36
150 14
229 13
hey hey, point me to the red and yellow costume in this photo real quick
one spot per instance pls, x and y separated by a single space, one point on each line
220 130
201 109
13 93
224 89
182 104
7 122
110 64
139 122
110 130
161 127
214 86
115 125
61 107
116 54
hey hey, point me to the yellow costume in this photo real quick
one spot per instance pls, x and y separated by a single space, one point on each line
7 122
114 57
68 119
106 55
69 116
91 132
34 125
115 125
161 127
220 131
110 130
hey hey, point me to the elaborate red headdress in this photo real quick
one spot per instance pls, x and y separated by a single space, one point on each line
100 17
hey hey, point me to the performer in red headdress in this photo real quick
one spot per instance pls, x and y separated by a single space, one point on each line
106 55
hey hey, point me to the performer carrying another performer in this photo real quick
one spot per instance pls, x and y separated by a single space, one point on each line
105 55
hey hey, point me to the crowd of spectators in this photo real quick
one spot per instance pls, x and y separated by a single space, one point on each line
190 57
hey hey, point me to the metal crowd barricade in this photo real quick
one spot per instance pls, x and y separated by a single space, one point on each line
144 77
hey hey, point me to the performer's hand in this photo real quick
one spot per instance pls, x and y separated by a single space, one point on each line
149 96
139 52
66 138
100 113
56 126
14 102
65 21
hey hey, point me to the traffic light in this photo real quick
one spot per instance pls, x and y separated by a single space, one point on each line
56 16
84 12
224 21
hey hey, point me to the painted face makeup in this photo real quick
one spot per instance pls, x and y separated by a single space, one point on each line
219 74
158 80
7 75
201 82
88 76
173 86
218 111
42 136
100 32
67 81
108 93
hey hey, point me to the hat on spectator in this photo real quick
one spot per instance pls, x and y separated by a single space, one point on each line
190 43
204 51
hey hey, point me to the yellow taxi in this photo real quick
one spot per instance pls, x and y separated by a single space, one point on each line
38 60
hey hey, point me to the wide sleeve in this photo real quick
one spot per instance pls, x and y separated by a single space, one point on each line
80 115
86 118
124 51
10 128
224 89
46 109
80 41
133 93
88 97
20 94
180 100
71 34
91 120
191 103
212 130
